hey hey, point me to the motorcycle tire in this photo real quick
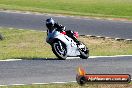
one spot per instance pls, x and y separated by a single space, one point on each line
84 54
57 51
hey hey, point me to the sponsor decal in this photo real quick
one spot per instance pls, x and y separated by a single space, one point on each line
83 78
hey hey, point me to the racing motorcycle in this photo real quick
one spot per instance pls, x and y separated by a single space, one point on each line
64 46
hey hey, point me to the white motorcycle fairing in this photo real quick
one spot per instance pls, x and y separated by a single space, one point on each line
72 49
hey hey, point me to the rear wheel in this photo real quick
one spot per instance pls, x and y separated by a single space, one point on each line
59 49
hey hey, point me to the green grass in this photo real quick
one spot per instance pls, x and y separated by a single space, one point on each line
27 44
73 85
107 47
24 44
100 8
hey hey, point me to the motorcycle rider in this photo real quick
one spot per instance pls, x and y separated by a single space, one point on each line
51 25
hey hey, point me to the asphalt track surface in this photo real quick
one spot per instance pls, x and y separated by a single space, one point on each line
53 70
106 28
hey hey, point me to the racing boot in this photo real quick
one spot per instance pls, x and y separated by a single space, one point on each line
76 40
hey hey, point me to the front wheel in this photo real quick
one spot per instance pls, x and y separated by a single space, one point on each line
59 49
84 52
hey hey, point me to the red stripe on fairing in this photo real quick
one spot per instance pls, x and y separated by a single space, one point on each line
63 32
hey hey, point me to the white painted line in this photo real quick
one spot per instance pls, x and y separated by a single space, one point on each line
59 82
123 55
18 84
41 83
23 29
11 60
20 29
56 82
108 38
98 18
73 81
33 30
11 28
3 85
119 39
128 39
76 57
37 30
110 19
70 58
27 12
44 31
100 37
110 56
89 35
98 56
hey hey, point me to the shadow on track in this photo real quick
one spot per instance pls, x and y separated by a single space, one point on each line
44 59
25 58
